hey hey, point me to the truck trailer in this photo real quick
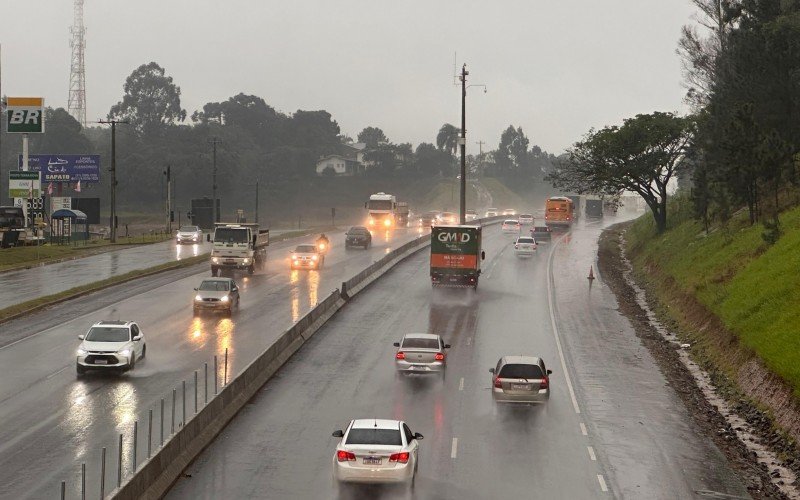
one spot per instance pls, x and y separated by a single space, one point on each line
456 256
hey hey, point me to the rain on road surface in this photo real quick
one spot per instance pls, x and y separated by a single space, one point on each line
280 445
50 421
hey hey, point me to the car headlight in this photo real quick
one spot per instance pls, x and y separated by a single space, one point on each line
198 297
224 299
297 263
194 237
371 222
313 257
124 352
245 261
81 351
387 222
214 260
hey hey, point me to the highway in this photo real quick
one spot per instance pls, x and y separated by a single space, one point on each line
51 422
611 429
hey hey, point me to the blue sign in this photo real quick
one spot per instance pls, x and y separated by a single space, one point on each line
65 168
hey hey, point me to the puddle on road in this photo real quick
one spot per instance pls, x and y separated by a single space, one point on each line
782 477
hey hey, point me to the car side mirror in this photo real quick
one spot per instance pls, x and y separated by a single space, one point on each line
418 436
137 338
338 434
549 372
195 289
82 337
396 344
447 346
483 255
208 237
491 370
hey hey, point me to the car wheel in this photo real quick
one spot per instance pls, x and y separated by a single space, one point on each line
251 269
214 272
144 351
132 363
80 370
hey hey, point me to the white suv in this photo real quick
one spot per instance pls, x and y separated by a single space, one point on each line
111 345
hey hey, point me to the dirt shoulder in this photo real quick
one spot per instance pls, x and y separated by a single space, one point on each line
756 476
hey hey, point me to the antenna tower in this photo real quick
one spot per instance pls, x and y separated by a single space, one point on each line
77 71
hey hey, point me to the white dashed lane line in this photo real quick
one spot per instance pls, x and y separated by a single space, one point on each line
591 454
602 482
454 448
461 384
583 429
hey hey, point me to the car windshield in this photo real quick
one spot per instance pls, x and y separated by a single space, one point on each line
214 286
390 437
511 222
412 343
379 205
188 229
305 249
356 231
526 216
525 240
520 371
108 334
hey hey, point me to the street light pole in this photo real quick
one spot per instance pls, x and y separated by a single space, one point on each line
113 170
256 200
463 143
214 215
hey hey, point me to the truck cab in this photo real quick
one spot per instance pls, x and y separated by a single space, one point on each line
381 211
238 247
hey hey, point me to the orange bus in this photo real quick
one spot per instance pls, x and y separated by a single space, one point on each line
559 211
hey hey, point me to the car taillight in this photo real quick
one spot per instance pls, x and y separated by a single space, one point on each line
439 356
399 457
400 355
497 383
544 384
345 456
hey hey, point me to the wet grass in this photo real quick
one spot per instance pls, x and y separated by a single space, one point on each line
41 302
752 287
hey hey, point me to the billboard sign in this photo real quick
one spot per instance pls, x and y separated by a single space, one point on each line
25 115
19 184
65 168
60 202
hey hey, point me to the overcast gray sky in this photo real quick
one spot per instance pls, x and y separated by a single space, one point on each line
554 67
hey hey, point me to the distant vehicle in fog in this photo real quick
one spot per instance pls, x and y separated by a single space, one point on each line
384 211
525 219
189 234
470 215
491 212
559 211
525 246
542 233
446 219
357 236
509 211
594 208
510 226
306 257
428 219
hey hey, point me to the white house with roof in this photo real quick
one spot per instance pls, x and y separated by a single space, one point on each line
349 160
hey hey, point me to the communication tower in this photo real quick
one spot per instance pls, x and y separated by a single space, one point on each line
77 71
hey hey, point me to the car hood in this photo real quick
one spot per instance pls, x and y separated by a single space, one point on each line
105 346
212 294
190 233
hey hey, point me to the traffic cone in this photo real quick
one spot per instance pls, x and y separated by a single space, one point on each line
591 273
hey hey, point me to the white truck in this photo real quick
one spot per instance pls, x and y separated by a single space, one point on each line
238 246
385 212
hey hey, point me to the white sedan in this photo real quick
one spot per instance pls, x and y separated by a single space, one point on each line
525 246
511 226
376 451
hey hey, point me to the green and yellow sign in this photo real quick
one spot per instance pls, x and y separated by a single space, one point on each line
25 115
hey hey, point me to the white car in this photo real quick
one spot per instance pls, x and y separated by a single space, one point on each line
491 212
306 257
526 219
509 211
511 226
525 246
421 353
189 234
470 215
376 451
111 345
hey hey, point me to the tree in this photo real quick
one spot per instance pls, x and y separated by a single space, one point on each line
372 137
432 161
151 100
447 138
512 153
642 156
64 135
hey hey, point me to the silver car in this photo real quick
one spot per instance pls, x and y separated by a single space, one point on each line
421 353
216 294
520 379
189 234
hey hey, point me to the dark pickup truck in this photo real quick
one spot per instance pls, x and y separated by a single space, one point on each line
541 233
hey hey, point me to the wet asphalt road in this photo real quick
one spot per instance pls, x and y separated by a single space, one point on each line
50 421
625 431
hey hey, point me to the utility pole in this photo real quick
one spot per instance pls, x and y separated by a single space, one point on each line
168 173
214 215
463 144
113 171
256 200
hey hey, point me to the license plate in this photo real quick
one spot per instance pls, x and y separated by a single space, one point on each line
521 387
230 261
101 361
372 461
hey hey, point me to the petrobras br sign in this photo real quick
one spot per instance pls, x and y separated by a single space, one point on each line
65 168
25 115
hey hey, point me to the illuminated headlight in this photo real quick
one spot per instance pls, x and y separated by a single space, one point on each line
245 261
224 299
297 263
372 222
313 257
214 260
194 237
124 352
198 297
81 352
387 222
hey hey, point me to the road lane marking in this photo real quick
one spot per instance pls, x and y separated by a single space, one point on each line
454 448
469 341
555 328
461 384
583 429
56 373
591 454
602 482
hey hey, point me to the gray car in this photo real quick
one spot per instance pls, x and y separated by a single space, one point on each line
421 353
216 294
520 379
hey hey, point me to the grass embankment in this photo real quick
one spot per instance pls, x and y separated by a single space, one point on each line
41 302
444 195
27 256
753 288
